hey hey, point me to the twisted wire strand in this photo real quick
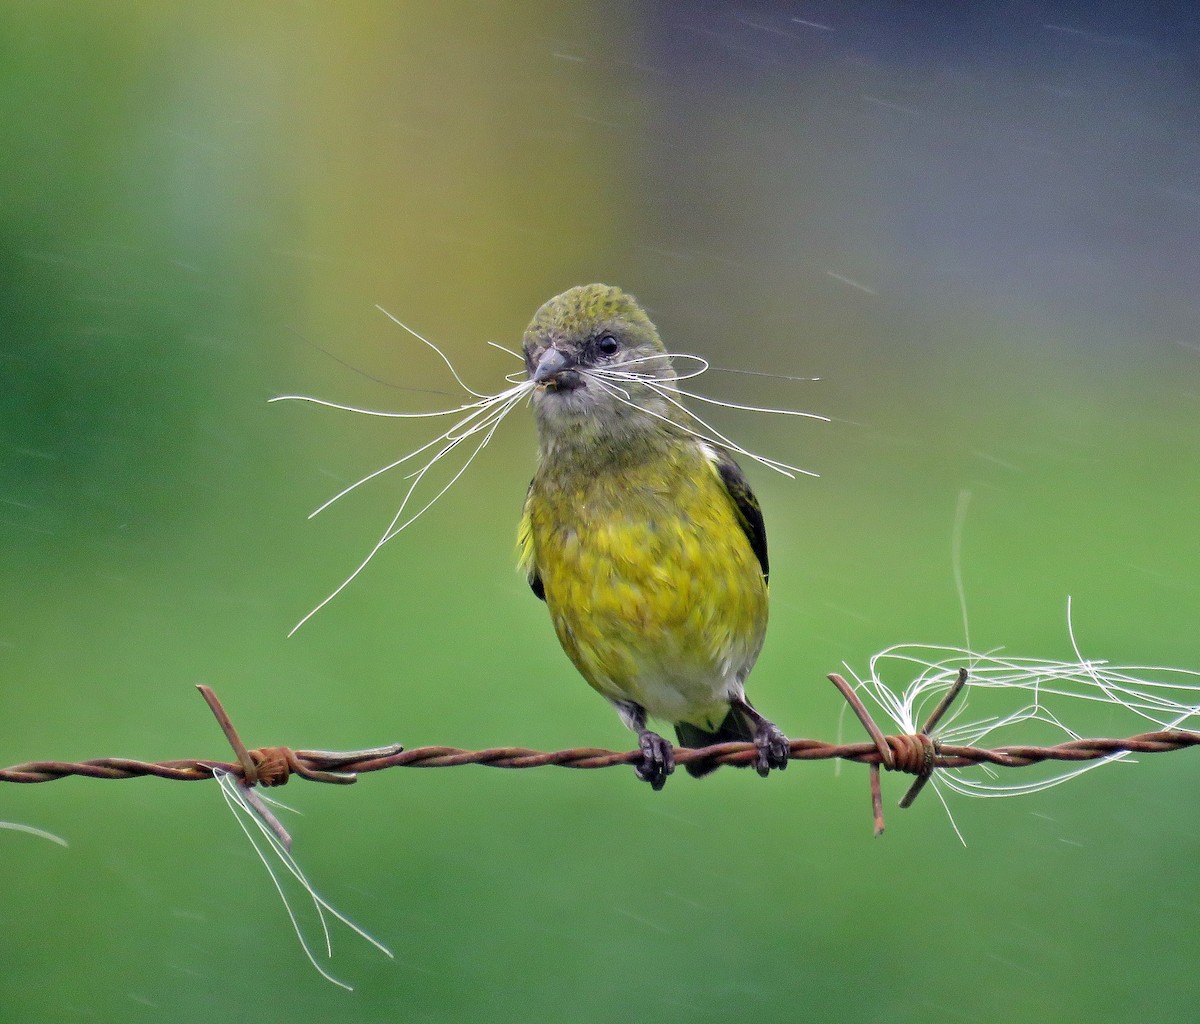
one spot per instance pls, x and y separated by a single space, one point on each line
919 754
915 754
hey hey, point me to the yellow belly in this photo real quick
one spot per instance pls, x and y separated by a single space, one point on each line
653 588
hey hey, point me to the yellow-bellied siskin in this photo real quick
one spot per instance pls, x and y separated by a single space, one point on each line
645 541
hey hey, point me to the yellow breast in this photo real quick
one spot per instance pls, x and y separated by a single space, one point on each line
653 588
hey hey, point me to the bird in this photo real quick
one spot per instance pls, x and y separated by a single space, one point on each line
642 537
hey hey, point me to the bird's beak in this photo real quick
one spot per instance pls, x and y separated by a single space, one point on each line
552 363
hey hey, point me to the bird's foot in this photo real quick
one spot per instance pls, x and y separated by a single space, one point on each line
774 748
658 759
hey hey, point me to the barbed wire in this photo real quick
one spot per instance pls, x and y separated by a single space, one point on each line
919 754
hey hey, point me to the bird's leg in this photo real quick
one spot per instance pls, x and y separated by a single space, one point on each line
773 746
658 758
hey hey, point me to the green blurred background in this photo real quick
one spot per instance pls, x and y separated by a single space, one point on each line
976 226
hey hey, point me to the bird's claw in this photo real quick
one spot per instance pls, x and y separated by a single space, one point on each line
774 749
658 760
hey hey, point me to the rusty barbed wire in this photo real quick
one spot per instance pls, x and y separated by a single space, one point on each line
344 766
313 764
919 754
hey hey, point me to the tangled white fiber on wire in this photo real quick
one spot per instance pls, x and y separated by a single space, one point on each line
1023 701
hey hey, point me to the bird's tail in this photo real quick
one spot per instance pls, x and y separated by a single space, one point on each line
738 727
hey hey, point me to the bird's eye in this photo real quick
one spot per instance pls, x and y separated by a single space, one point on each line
608 345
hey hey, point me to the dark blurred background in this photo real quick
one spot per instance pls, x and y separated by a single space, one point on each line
976 224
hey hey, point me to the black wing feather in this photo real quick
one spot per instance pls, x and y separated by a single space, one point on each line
536 585
749 513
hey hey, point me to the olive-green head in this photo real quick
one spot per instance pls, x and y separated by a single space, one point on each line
599 368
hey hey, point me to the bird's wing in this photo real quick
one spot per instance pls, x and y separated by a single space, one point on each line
525 551
746 505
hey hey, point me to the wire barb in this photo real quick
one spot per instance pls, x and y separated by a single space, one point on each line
270 766
914 753
886 757
931 745
249 768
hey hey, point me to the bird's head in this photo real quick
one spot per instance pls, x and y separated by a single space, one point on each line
599 368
